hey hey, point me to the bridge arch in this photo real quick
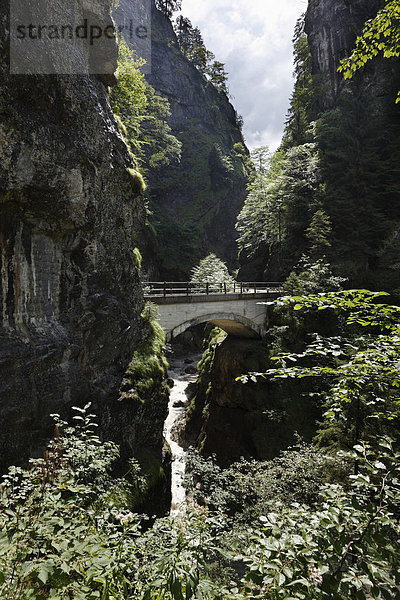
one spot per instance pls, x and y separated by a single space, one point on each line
232 323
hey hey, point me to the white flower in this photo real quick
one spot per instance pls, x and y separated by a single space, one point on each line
124 518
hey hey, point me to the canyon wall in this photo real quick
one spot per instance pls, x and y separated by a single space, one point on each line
195 203
70 295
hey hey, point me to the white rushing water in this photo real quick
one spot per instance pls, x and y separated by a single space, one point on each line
177 407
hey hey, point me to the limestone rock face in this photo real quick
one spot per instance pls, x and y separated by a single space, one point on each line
197 201
256 420
69 289
332 27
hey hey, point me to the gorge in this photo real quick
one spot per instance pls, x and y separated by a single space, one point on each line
241 442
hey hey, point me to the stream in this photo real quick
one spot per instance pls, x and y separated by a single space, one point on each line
176 409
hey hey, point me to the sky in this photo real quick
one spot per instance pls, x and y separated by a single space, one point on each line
254 40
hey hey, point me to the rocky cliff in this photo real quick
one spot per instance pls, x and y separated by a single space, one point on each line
70 296
195 203
358 128
332 28
354 128
258 419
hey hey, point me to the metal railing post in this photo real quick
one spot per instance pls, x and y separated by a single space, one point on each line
225 288
241 288
207 284
165 289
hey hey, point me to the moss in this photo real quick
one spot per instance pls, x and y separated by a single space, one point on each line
137 257
146 372
121 127
198 409
138 183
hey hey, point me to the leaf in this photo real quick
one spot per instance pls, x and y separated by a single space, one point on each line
44 572
281 579
380 465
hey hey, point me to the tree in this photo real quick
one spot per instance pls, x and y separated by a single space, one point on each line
380 36
312 277
211 270
168 7
184 32
261 158
218 76
201 58
160 146
142 114
192 45
301 108
128 99
189 37
319 232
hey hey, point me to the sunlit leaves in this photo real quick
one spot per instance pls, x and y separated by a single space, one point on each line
381 36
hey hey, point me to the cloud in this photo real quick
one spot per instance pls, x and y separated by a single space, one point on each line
254 40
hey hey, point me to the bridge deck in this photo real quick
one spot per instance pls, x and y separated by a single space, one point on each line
238 309
201 298
185 292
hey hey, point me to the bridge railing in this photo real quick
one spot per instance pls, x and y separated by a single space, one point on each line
160 289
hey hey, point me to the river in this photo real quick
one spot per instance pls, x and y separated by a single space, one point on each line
177 407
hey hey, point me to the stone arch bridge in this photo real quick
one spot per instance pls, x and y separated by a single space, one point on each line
237 309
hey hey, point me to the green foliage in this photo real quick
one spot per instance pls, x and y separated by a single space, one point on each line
66 533
138 183
142 114
248 489
146 372
218 76
319 232
213 271
360 367
380 36
56 518
354 132
137 258
312 276
211 169
159 147
359 166
128 99
192 45
347 548
303 100
282 193
168 7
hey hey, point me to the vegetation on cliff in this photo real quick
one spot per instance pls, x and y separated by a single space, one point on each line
345 144
380 36
142 115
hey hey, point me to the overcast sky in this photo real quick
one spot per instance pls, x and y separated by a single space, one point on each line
254 40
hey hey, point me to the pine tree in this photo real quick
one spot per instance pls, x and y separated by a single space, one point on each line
184 32
213 271
218 76
319 233
201 58
168 7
